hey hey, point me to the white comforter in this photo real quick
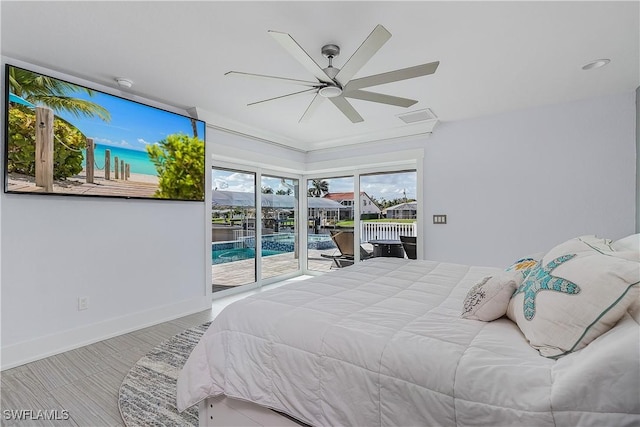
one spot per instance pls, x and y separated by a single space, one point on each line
382 343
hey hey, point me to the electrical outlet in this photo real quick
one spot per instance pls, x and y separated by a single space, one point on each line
83 303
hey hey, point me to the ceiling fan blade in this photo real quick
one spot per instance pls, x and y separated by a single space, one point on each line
311 109
379 97
393 76
279 79
282 96
347 109
367 49
300 55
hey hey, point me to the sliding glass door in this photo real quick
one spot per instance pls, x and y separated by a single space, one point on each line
388 210
330 209
280 254
251 245
256 228
233 231
343 223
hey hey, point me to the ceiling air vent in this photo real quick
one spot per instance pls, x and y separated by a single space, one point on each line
417 116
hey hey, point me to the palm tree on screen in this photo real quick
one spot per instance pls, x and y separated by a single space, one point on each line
53 93
194 127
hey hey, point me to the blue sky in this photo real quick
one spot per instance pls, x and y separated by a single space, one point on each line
388 186
132 125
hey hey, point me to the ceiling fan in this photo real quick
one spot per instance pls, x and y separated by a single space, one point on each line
337 84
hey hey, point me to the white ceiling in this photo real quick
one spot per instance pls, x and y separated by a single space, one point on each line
494 56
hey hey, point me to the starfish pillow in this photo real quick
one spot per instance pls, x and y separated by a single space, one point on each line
575 293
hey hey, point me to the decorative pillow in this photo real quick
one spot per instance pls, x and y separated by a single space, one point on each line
629 243
575 293
488 300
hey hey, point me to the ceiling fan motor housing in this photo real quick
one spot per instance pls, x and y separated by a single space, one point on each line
330 51
331 72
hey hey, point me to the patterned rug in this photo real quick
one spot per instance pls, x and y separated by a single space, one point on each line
148 393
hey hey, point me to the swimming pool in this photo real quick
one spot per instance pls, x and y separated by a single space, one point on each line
285 242
312 239
290 237
272 244
230 255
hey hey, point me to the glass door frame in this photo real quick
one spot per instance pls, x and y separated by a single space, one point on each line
259 172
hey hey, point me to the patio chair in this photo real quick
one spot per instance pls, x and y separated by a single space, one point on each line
409 243
344 242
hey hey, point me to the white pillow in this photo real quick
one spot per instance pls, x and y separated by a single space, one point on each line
629 243
595 242
488 300
577 292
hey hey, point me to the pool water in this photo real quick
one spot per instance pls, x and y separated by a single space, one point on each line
230 255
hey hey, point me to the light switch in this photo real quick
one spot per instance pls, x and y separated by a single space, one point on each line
439 219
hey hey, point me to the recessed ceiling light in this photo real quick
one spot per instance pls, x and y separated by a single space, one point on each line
122 82
596 64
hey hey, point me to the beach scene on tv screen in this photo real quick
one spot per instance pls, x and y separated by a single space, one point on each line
64 138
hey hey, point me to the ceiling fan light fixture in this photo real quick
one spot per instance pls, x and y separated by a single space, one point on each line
330 91
598 63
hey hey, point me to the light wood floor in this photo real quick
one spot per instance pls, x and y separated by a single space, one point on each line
85 381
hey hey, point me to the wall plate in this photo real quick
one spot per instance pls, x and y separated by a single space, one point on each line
439 219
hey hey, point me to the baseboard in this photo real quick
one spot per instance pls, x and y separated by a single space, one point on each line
49 345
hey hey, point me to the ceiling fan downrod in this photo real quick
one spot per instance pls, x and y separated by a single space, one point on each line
330 51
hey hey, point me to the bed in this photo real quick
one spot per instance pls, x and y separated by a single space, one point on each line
383 343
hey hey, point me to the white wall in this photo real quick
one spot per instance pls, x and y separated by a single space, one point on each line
523 181
139 262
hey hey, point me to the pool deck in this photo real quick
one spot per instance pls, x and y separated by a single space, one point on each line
241 272
237 273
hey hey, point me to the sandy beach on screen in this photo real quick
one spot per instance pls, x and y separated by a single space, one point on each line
137 185
99 176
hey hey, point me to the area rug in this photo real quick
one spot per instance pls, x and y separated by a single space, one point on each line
147 395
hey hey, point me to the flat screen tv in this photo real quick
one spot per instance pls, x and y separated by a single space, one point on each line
66 139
